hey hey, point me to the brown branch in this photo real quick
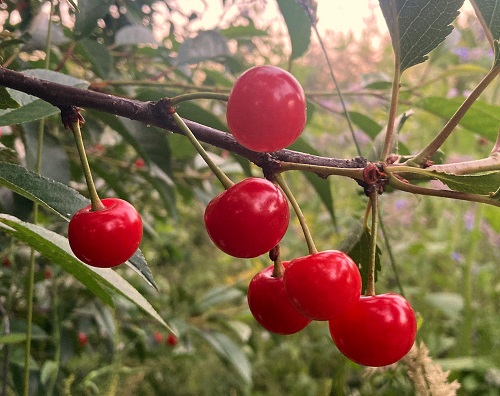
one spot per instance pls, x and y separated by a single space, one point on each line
156 113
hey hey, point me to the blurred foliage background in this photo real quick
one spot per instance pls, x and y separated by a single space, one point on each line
445 253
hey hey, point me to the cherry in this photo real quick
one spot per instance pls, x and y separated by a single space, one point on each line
266 110
270 305
82 339
377 331
171 340
6 262
322 285
107 237
248 219
158 337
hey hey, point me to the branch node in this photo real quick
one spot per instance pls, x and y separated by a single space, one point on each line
71 115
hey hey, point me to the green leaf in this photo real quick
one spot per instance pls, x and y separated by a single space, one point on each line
490 12
134 35
58 198
357 246
482 118
97 54
12 338
367 124
298 25
451 304
218 295
492 217
89 12
32 108
56 248
418 26
207 45
322 186
6 101
483 184
229 352
239 32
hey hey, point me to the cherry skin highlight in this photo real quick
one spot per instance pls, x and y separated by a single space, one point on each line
107 237
266 110
270 305
377 331
248 219
322 285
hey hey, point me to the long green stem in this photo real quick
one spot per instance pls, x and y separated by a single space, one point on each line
389 136
450 126
355 173
57 339
226 181
96 203
370 288
390 254
31 267
295 205
198 95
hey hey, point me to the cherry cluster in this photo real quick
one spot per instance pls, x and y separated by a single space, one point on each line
266 112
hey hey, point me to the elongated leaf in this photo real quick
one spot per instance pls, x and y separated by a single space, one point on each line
58 198
322 186
12 338
418 26
298 25
89 12
218 295
208 45
134 35
229 352
367 124
482 118
56 248
482 184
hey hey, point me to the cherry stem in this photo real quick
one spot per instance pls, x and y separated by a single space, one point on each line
302 220
198 95
95 201
226 181
279 269
370 288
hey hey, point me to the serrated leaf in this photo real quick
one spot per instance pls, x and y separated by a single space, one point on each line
418 26
298 25
58 198
482 184
357 246
56 248
322 186
6 101
482 118
229 352
134 35
207 45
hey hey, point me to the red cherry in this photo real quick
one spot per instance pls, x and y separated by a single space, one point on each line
171 340
48 274
139 163
377 331
270 305
158 337
322 285
248 219
6 262
266 110
82 339
107 237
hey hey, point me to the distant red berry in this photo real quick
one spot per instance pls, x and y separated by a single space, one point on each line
158 337
171 340
139 163
6 262
82 339
48 273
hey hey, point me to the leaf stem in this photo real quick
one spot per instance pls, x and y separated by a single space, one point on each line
354 173
389 135
226 182
441 137
198 95
370 288
95 201
295 205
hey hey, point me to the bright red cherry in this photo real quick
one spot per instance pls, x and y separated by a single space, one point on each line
171 340
248 219
266 110
270 305
158 337
377 331
322 285
108 237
